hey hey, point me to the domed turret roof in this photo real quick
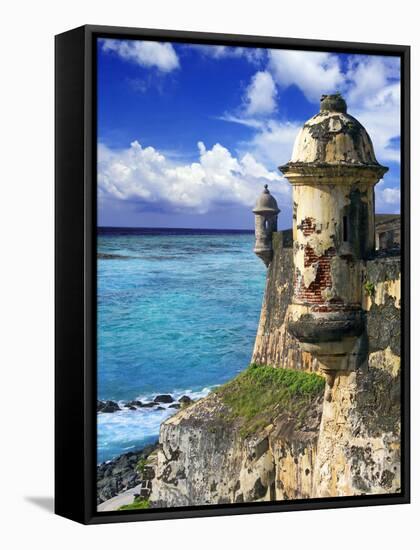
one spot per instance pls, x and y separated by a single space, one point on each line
266 203
333 137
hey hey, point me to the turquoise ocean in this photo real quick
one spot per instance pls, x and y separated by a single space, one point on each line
178 312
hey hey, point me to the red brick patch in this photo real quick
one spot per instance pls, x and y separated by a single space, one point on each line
313 293
307 226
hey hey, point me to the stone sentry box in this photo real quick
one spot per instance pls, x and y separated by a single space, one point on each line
266 212
333 171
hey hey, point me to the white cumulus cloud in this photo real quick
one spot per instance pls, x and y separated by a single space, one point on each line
260 96
144 53
145 175
370 85
368 77
315 73
373 97
272 144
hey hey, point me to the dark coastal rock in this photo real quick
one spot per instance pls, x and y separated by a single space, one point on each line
185 400
164 398
133 403
99 405
123 473
160 408
174 406
147 405
110 407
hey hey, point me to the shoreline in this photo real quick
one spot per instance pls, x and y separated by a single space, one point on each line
129 470
122 473
135 423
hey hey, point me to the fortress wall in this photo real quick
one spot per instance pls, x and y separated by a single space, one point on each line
274 345
359 442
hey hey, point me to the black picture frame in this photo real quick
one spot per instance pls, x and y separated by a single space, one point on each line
75 273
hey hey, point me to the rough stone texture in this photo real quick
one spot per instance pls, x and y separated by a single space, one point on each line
327 253
333 138
203 459
294 448
359 441
274 345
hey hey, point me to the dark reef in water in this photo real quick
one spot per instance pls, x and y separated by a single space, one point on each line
103 256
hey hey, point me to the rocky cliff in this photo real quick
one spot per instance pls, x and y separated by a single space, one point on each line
272 433
252 440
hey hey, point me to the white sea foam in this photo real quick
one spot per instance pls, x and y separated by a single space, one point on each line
131 429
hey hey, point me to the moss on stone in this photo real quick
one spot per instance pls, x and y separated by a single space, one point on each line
261 393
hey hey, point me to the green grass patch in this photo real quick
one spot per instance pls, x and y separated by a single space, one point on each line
137 504
260 393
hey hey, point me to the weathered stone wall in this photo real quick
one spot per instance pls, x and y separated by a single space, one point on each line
274 345
327 246
359 441
204 460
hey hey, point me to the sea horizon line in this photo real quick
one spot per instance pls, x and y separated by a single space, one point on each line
142 228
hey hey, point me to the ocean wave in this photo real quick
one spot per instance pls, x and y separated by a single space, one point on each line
128 429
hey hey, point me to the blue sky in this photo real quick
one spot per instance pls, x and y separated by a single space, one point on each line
188 135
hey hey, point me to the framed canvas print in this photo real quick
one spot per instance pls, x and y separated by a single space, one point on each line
232 274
